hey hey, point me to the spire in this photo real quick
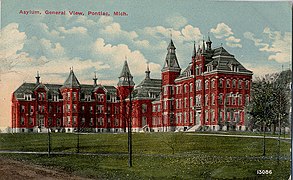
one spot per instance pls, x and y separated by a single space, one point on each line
171 61
203 46
198 49
95 79
209 43
71 81
125 77
147 72
38 78
194 50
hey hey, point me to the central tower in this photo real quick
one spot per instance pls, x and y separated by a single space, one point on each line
171 70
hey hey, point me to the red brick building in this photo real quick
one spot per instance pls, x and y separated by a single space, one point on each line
210 94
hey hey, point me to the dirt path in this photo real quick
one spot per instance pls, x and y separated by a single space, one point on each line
15 170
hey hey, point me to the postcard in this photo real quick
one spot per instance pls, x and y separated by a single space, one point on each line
165 89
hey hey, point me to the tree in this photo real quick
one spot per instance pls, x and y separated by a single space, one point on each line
270 101
269 105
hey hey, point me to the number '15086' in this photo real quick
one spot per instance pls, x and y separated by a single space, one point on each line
264 172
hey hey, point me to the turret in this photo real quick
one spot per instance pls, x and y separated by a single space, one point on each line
38 78
95 79
209 44
125 84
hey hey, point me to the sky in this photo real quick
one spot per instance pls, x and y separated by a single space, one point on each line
259 34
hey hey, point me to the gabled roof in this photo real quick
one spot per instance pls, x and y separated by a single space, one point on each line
223 61
125 70
125 77
185 72
71 81
171 61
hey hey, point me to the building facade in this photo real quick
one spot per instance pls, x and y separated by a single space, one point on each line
209 94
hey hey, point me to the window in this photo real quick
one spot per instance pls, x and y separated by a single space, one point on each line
74 96
58 109
239 99
101 121
213 115
198 101
143 108
22 121
240 84
185 117
221 83
30 121
206 116
68 107
213 83
87 97
55 97
28 97
116 122
227 99
228 83
100 97
246 99
190 102
143 121
220 99
82 120
234 83
22 109
68 96
198 85
246 84
206 100
74 120
234 99
206 84
100 109
185 102
213 99
31 109
190 87
190 117
165 90
185 88
58 121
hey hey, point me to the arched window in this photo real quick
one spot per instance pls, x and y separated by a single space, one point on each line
221 83
207 84
240 84
234 83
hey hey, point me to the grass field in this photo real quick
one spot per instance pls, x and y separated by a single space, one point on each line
155 155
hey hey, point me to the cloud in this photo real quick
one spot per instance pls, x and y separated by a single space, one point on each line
191 33
233 42
12 41
222 30
115 55
278 45
36 48
260 71
73 30
176 21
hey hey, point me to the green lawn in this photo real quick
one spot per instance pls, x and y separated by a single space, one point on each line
156 155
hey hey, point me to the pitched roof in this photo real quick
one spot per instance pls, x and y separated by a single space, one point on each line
125 77
171 61
71 81
222 60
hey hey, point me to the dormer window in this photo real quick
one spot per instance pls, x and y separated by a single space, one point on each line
87 97
28 97
55 97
